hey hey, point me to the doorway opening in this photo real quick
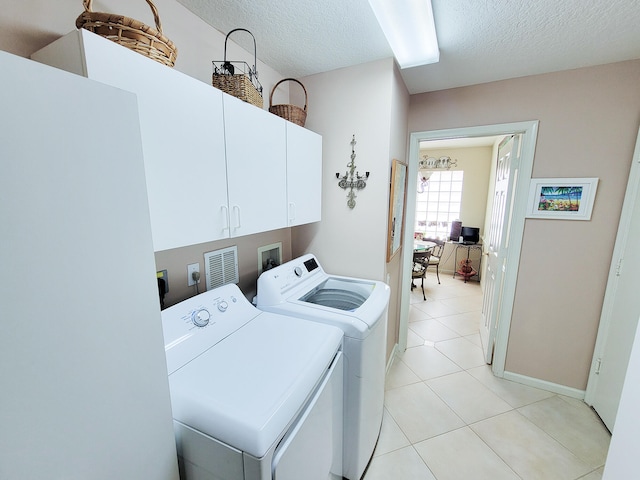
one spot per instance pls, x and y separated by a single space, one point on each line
528 131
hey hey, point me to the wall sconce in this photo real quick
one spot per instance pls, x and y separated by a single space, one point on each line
433 163
351 181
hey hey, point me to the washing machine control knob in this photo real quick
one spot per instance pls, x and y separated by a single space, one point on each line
200 318
298 271
222 306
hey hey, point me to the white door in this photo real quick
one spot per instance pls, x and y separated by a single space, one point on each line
620 310
496 241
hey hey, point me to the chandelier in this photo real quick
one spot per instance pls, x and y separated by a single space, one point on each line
433 163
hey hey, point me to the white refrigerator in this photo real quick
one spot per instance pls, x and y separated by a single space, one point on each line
83 382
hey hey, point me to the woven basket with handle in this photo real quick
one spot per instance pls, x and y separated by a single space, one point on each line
238 78
130 33
293 113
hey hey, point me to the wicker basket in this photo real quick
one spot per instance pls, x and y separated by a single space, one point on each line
238 78
292 113
130 33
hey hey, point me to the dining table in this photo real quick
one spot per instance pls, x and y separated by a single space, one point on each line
423 245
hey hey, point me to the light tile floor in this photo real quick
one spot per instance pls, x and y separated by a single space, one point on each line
447 417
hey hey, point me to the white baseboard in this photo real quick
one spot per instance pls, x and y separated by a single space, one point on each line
395 352
545 385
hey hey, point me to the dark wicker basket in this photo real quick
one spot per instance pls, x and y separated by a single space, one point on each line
238 78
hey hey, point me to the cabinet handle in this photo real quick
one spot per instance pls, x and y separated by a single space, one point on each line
236 208
292 211
226 217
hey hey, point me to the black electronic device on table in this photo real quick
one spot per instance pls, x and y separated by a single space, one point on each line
470 235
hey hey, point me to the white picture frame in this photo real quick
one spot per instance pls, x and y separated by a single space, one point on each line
562 198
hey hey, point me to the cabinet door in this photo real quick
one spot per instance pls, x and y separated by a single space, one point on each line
256 168
182 139
304 175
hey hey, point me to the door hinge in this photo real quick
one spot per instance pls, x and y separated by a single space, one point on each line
598 364
618 267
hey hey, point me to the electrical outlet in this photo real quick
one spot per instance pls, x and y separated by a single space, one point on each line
194 267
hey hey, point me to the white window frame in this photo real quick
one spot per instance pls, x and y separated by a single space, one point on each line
438 205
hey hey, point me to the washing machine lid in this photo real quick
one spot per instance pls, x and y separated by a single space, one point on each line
301 288
340 293
340 301
246 390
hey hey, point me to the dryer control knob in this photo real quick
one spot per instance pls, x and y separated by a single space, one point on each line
297 271
222 306
200 318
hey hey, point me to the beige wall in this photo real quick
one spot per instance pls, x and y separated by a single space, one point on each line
588 125
371 102
175 261
351 241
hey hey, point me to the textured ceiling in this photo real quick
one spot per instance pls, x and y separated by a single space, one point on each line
480 40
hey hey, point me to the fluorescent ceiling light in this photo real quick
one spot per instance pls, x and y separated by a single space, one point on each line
410 30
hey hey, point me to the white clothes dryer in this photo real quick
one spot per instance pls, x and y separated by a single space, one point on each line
255 395
302 289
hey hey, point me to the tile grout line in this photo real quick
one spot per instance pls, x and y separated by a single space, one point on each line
469 338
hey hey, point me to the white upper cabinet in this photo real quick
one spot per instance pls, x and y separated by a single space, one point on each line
182 135
256 168
304 175
216 167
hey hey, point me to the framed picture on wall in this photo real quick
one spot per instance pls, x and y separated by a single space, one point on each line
562 198
397 200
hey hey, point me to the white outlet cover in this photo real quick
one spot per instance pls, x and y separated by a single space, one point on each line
194 267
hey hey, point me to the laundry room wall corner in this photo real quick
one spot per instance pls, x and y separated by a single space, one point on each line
398 150
352 242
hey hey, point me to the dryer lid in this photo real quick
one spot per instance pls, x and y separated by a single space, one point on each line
246 389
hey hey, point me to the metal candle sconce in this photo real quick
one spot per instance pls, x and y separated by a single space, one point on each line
351 181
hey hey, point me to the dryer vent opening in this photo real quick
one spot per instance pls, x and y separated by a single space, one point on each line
221 267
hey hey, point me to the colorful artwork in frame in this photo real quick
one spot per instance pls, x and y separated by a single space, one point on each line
562 198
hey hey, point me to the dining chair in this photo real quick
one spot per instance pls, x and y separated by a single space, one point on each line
420 264
436 255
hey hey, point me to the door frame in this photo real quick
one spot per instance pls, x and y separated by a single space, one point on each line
529 131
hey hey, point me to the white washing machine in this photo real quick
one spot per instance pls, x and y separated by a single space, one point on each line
254 395
302 289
